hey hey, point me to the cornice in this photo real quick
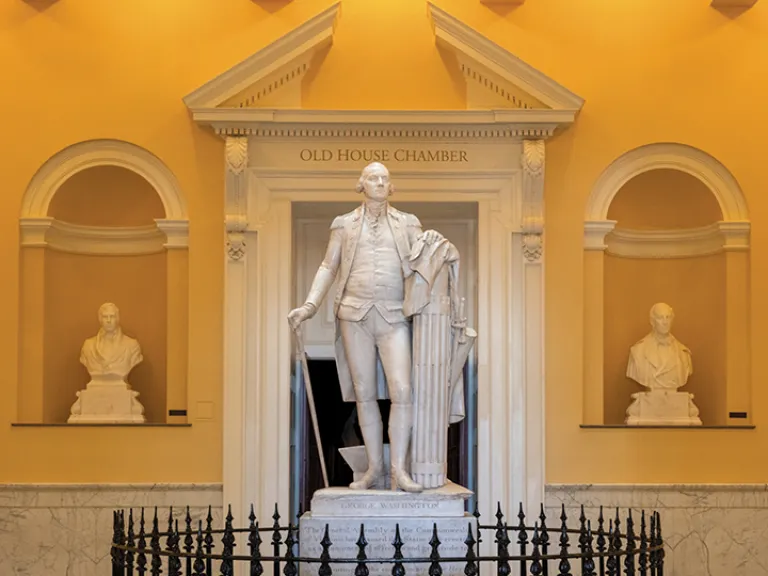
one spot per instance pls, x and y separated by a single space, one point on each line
678 243
595 232
102 240
383 124
469 44
282 62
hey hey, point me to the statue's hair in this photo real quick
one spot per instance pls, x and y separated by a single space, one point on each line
109 305
658 305
360 187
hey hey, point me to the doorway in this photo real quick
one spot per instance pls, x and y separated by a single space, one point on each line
337 420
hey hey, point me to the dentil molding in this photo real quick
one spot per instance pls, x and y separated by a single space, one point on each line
103 240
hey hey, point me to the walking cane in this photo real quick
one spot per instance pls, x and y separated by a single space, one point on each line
310 399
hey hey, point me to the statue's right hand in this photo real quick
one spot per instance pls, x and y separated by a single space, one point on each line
299 315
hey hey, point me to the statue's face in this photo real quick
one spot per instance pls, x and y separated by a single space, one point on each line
661 320
376 183
109 320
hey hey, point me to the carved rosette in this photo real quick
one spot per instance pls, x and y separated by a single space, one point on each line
236 219
533 199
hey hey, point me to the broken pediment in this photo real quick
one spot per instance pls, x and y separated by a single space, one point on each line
266 88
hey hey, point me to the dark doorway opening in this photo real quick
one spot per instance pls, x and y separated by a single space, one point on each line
337 421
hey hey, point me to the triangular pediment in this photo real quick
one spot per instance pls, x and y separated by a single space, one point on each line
494 76
276 68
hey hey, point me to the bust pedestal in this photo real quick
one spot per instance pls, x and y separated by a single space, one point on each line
380 511
107 401
662 408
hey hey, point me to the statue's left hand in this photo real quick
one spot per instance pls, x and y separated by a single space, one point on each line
431 236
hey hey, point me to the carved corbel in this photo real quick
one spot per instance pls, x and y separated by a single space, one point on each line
236 218
533 199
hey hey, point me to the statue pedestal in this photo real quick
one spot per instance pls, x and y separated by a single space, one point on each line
381 511
663 408
107 401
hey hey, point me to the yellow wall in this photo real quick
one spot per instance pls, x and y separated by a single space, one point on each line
650 71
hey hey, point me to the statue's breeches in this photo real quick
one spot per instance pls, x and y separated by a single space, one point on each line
361 341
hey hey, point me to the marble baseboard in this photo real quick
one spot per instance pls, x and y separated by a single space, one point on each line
709 529
66 529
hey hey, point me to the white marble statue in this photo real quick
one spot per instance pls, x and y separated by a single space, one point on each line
370 252
109 357
662 364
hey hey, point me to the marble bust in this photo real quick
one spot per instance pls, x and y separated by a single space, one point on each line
110 354
109 357
662 364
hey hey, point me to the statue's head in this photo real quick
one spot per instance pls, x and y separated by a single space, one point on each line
374 182
661 318
109 317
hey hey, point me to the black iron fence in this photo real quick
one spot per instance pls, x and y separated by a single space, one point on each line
611 547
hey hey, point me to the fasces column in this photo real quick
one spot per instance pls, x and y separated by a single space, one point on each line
737 325
594 326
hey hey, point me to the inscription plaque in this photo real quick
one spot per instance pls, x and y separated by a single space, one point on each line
415 532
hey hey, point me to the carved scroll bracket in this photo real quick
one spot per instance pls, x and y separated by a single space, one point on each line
533 199
236 217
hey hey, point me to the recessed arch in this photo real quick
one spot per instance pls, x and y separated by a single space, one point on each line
674 156
103 152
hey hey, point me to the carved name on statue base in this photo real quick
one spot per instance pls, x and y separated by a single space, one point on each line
107 402
663 408
381 511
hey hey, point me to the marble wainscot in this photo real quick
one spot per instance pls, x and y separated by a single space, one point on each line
380 511
66 529
708 529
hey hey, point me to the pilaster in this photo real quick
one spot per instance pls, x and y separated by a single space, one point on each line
595 232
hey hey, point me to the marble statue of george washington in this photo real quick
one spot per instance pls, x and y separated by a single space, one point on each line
368 252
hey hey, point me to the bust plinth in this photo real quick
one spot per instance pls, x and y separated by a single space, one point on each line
109 357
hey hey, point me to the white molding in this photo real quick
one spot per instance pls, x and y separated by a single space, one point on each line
680 243
736 235
176 232
291 52
91 240
668 156
91 153
487 55
595 232
258 345
427 125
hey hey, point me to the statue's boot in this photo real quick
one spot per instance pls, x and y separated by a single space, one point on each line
399 442
369 416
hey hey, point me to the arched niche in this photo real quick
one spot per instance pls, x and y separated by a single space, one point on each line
667 222
102 221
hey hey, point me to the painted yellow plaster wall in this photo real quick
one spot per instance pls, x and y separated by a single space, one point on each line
650 71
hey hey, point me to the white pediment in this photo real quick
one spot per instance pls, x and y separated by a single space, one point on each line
495 75
276 68
262 94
